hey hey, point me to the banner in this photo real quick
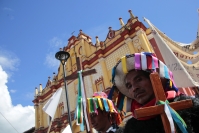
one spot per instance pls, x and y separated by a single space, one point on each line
181 76
67 129
51 106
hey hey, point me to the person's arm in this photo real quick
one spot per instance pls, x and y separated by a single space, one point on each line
190 115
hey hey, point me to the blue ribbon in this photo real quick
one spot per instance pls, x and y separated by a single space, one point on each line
121 102
106 105
178 121
182 126
153 64
166 72
113 74
147 53
110 95
174 87
82 126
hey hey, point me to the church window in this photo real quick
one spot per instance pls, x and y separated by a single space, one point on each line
80 50
62 110
99 84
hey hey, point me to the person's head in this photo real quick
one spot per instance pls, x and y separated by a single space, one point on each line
131 76
139 86
102 112
101 120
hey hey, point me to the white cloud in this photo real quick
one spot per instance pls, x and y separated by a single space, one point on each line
21 118
13 91
51 61
8 12
55 44
8 61
7 9
30 95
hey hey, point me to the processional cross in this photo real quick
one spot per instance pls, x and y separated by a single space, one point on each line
75 76
159 109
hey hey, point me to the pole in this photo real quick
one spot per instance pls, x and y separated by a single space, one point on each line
67 100
50 126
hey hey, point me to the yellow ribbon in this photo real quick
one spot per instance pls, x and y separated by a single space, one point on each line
170 83
88 99
100 104
110 106
124 66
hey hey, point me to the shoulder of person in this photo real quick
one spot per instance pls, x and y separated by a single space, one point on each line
194 99
190 115
120 130
153 125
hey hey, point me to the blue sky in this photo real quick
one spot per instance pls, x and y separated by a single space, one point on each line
31 32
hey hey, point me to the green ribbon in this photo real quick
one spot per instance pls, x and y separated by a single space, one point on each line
176 117
79 108
91 106
96 103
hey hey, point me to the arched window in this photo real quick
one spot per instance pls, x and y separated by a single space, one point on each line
99 83
62 110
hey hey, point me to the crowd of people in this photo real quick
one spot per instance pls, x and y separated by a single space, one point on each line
131 79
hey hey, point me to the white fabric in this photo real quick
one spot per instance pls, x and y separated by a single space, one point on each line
51 106
184 53
168 114
143 59
162 74
119 76
188 54
67 129
181 76
111 129
84 102
193 70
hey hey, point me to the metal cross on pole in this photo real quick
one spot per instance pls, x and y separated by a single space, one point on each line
75 76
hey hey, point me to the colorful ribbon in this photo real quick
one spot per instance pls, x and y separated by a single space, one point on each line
113 74
110 95
166 72
137 61
155 62
106 105
161 70
149 62
120 101
81 102
124 66
175 116
100 104
111 108
143 61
